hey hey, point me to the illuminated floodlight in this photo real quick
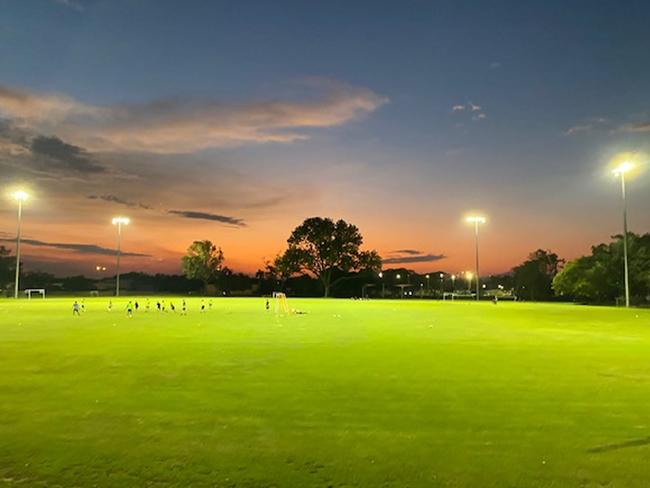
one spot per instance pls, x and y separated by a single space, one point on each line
381 274
623 168
121 220
475 219
20 195
398 276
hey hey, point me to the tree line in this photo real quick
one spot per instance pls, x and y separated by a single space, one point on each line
324 257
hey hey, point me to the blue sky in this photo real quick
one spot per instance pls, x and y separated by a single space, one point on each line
402 116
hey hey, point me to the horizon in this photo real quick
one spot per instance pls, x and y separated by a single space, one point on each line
235 123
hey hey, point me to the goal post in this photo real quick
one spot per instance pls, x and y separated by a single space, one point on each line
281 304
39 291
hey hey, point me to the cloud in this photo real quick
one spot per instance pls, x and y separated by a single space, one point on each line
121 201
422 258
177 125
636 127
406 251
586 126
224 219
476 111
71 4
79 248
64 155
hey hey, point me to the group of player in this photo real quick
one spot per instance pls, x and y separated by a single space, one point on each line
133 306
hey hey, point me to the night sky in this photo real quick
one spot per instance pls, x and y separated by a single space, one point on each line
234 121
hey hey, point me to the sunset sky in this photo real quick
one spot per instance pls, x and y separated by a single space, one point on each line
233 121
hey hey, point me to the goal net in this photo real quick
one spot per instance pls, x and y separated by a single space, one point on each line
35 291
281 304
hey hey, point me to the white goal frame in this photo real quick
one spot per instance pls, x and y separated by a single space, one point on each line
281 304
30 291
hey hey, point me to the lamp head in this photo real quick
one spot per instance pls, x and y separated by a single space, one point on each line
20 195
475 219
623 168
121 220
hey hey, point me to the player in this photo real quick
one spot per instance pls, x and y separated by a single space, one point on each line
147 306
202 306
495 300
75 309
210 305
158 306
137 305
183 308
129 309
110 305
83 305
172 307
268 305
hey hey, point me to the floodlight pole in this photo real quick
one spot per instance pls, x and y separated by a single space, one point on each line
119 251
20 220
478 279
627 278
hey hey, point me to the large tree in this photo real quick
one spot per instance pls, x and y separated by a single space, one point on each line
534 277
325 249
600 278
203 262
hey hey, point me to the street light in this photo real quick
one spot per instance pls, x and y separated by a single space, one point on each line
469 277
119 221
453 283
20 196
620 170
476 220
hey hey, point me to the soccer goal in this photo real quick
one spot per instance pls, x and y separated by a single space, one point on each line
281 304
38 291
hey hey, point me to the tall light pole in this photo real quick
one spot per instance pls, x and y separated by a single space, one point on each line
453 284
620 170
20 196
381 277
476 220
119 221
442 284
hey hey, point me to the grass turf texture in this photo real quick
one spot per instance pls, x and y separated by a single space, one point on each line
353 394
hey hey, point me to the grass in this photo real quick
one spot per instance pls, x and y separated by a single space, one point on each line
352 394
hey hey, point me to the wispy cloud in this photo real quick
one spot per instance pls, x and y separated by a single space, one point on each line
224 219
79 248
636 127
422 258
474 111
587 125
178 125
118 200
71 4
406 251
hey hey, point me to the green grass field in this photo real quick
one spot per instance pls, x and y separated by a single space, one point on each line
352 394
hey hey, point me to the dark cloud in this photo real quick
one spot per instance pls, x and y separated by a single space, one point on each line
224 219
422 258
79 248
411 252
121 201
65 155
